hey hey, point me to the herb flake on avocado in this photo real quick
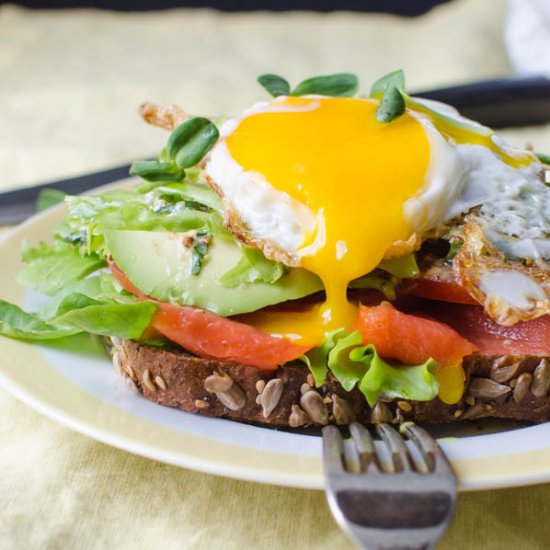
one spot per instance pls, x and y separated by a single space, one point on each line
199 250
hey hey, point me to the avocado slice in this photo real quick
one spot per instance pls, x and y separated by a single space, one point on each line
159 264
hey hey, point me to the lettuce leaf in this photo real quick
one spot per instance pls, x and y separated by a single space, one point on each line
16 323
187 190
416 383
102 287
403 267
120 320
346 371
178 207
253 267
50 268
355 365
316 359
96 305
80 314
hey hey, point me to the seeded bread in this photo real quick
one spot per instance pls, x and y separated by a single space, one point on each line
512 387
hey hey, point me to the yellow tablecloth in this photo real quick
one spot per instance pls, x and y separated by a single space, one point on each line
70 83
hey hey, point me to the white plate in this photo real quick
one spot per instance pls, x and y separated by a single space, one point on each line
79 388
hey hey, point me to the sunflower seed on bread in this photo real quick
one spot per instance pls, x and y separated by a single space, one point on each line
185 377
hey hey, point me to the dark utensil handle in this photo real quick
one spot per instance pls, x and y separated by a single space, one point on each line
505 102
19 204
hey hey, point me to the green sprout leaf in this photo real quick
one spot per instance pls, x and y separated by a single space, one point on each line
274 84
390 90
154 170
392 105
334 85
395 79
191 140
545 159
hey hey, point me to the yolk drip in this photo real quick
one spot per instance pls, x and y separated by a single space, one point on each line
451 382
462 133
353 172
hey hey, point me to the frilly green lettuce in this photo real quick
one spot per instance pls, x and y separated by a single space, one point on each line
317 358
355 365
416 383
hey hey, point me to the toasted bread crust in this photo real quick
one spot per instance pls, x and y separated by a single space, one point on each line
511 387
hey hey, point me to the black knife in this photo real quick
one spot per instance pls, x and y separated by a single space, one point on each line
19 204
501 103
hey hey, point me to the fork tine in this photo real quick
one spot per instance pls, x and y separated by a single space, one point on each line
425 443
364 445
433 455
333 449
396 446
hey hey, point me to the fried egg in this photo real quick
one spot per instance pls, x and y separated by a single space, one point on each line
510 291
320 183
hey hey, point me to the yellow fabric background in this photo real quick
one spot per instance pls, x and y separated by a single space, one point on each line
70 83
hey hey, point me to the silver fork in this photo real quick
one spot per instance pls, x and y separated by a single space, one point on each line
392 500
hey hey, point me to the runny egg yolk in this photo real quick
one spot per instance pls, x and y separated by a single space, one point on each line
354 172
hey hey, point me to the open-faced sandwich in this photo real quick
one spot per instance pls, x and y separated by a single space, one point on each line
318 259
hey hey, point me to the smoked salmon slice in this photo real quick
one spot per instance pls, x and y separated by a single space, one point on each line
410 339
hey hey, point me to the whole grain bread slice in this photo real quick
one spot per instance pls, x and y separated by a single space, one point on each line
511 387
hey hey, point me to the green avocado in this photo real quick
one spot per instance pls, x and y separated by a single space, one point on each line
160 265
